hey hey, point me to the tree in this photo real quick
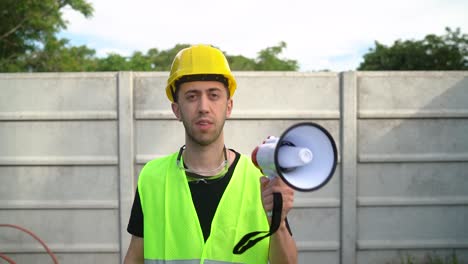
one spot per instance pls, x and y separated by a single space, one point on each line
113 62
56 56
153 60
27 26
447 52
140 62
268 60
241 63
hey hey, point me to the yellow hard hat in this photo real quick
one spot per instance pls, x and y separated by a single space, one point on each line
199 60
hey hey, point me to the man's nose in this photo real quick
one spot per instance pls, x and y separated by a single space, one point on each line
203 105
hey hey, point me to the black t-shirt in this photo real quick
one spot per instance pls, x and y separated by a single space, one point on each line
205 205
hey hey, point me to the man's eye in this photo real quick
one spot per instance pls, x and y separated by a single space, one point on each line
191 96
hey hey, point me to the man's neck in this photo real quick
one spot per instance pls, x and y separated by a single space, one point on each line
204 158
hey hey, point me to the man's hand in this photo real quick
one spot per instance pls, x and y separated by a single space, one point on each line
282 246
135 251
270 186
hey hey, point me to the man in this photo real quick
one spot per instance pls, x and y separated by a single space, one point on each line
194 206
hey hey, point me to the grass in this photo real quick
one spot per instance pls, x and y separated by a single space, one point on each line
431 259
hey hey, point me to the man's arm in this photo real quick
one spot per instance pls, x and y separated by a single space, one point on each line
282 246
135 251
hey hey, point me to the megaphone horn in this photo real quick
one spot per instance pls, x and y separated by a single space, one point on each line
304 156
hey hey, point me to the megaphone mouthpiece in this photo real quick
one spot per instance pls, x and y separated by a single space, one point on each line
291 156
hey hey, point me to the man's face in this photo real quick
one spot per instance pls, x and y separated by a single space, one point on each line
203 107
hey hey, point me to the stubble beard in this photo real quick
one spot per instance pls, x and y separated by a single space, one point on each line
199 138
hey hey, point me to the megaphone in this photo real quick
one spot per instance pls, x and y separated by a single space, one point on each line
304 156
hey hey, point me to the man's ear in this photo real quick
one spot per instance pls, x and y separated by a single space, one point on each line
230 105
176 110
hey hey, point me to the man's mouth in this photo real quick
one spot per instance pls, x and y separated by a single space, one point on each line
204 123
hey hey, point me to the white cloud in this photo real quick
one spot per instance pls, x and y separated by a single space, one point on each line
317 32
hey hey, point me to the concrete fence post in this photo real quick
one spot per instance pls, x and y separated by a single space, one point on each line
126 155
348 90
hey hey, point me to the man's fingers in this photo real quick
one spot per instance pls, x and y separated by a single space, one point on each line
276 185
264 181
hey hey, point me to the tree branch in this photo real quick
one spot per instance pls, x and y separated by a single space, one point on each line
13 29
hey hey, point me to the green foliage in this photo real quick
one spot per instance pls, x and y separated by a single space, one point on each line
430 259
409 260
140 61
241 63
153 60
447 52
440 260
113 62
268 60
27 26
56 56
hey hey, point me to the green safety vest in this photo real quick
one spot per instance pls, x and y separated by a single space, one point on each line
172 232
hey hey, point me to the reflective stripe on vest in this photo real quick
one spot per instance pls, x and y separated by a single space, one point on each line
192 261
171 227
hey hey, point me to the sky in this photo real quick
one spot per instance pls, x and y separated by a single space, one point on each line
320 35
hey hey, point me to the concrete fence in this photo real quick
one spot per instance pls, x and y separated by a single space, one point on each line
72 145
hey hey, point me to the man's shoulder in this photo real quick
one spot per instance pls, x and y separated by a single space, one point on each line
245 160
245 164
157 163
162 159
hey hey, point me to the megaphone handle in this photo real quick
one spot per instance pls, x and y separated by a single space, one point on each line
249 241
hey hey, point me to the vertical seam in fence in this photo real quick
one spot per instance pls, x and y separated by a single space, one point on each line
126 154
348 90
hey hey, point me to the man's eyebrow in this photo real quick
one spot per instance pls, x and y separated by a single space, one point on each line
192 91
214 89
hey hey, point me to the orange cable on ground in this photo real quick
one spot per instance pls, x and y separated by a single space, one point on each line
54 258
5 257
